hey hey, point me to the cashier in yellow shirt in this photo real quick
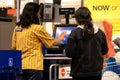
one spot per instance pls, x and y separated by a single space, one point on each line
29 36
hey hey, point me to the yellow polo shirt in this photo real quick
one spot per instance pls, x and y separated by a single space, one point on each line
29 41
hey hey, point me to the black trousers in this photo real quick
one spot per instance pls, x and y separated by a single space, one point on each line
88 78
30 75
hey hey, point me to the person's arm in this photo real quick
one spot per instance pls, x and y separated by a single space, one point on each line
60 38
104 45
47 39
71 46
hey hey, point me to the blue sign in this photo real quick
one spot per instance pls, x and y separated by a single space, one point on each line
10 61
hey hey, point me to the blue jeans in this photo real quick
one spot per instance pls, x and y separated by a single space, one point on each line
30 75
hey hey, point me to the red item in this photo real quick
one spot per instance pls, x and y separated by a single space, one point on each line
11 11
108 31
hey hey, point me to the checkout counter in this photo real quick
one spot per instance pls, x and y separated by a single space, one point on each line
57 69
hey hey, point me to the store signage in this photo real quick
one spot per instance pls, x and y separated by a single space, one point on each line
105 10
10 62
100 7
64 72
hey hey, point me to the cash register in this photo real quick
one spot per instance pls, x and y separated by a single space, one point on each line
58 50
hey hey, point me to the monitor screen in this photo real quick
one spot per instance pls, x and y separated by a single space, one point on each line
61 28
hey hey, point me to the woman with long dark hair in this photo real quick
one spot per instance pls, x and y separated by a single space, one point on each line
86 46
29 36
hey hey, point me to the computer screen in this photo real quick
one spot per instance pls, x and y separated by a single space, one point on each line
63 28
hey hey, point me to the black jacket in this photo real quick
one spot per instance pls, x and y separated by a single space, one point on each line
86 54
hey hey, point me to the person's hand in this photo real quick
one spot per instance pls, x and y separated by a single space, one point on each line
62 36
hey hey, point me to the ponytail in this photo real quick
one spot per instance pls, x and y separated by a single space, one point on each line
88 30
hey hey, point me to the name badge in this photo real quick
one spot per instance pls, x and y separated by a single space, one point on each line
18 30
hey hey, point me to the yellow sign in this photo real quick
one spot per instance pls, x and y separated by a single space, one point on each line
105 9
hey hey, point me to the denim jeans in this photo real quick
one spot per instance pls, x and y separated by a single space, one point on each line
30 75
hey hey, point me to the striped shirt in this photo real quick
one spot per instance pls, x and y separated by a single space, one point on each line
29 41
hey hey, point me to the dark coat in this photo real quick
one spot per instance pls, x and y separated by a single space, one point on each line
86 54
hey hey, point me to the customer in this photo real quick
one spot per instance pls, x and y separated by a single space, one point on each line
86 46
29 36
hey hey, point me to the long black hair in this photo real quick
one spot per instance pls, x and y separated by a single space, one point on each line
83 17
29 15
